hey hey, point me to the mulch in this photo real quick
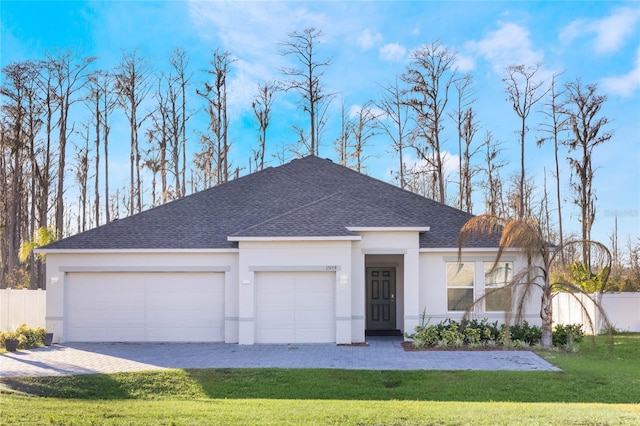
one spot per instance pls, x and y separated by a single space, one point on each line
408 347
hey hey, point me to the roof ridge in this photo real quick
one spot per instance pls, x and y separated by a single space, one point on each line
365 175
288 212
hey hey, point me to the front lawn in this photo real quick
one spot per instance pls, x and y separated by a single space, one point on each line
595 387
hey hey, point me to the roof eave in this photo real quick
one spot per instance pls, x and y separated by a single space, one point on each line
298 238
135 250
419 229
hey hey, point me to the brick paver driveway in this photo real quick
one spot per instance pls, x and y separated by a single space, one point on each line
380 354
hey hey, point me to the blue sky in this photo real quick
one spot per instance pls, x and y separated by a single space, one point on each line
370 44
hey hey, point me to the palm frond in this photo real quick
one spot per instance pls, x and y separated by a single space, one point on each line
483 225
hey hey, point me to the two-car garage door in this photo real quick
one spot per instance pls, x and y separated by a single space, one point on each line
290 307
144 306
295 307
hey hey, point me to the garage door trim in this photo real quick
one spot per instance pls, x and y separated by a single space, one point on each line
205 268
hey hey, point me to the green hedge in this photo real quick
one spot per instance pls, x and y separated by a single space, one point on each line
474 333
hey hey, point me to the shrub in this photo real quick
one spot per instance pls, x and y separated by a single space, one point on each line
488 331
474 333
567 335
429 335
530 334
28 337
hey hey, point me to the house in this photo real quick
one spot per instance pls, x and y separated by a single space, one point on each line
309 251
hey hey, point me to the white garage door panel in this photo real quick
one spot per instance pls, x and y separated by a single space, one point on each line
139 307
295 307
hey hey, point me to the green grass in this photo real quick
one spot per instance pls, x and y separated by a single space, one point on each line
595 387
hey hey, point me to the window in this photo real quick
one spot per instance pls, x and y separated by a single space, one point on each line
459 285
494 279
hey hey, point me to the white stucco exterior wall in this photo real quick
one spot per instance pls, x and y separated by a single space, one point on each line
420 277
433 285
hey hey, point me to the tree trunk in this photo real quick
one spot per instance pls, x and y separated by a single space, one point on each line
546 314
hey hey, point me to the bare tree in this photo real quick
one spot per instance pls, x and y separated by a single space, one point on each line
132 84
556 124
307 78
364 127
69 77
215 94
180 61
394 122
523 91
82 176
93 104
14 150
155 163
583 107
109 102
494 203
342 142
100 101
465 119
261 105
44 171
159 137
430 75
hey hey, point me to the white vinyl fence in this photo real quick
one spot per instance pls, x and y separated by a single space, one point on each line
19 307
622 309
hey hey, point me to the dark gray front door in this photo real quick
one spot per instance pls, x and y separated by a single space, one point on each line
381 298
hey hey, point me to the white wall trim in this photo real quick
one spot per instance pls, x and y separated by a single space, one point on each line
466 250
294 268
384 251
334 238
389 229
204 268
478 258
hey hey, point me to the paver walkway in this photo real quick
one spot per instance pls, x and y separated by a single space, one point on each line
381 354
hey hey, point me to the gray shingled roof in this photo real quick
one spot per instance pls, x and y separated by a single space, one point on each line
306 197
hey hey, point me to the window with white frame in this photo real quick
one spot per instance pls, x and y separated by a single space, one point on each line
460 281
496 276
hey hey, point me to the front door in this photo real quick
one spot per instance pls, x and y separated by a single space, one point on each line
381 298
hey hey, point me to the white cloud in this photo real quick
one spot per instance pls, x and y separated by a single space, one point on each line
571 31
508 45
450 164
610 32
251 33
393 52
367 39
465 63
354 111
624 85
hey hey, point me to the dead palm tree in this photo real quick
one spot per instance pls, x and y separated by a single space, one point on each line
527 237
